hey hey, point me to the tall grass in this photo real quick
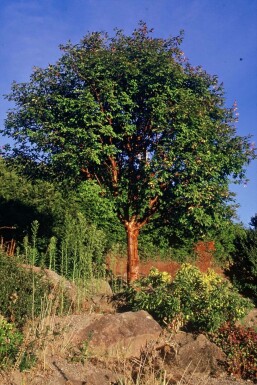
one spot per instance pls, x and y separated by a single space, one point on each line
81 249
33 258
78 254
52 252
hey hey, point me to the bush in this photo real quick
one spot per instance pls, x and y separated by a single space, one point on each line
153 294
240 345
21 291
243 271
207 300
10 341
203 301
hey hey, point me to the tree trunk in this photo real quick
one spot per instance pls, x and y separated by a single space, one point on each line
133 259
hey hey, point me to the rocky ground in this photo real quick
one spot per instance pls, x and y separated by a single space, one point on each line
103 347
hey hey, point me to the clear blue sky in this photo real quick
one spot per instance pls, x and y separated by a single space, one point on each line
220 35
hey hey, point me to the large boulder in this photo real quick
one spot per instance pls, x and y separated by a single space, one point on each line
197 354
122 335
96 295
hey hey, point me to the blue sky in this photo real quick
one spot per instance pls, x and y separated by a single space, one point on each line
220 35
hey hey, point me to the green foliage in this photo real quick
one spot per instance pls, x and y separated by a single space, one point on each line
153 294
207 300
55 216
10 341
99 209
253 222
82 249
243 270
23 201
240 345
21 291
131 113
161 242
204 301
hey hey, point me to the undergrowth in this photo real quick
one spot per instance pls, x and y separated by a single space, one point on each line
239 343
20 288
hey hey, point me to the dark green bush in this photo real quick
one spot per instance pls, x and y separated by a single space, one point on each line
243 270
21 291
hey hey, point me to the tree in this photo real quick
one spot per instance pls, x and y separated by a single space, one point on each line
253 222
23 201
131 113
243 269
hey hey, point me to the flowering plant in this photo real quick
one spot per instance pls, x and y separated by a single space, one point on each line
202 301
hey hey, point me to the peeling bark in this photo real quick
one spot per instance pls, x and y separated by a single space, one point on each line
133 259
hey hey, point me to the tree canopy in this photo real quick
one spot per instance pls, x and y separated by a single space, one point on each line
131 113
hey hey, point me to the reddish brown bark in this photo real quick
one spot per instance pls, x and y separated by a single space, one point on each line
132 228
133 259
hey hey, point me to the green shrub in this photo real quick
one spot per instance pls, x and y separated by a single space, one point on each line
153 294
10 341
21 291
240 345
203 301
207 300
243 271
99 209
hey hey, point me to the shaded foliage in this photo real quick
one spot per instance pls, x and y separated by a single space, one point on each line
243 270
20 288
23 201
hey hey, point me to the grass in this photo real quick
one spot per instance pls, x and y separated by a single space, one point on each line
74 258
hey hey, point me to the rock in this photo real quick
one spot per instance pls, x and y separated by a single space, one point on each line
96 296
197 354
57 281
98 287
61 372
80 374
100 296
119 335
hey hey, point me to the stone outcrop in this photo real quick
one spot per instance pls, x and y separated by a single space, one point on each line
123 334
102 349
198 354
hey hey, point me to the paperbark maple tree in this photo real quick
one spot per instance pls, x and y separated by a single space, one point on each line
131 113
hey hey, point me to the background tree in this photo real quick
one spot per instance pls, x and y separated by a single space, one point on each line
23 201
243 268
253 222
131 113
